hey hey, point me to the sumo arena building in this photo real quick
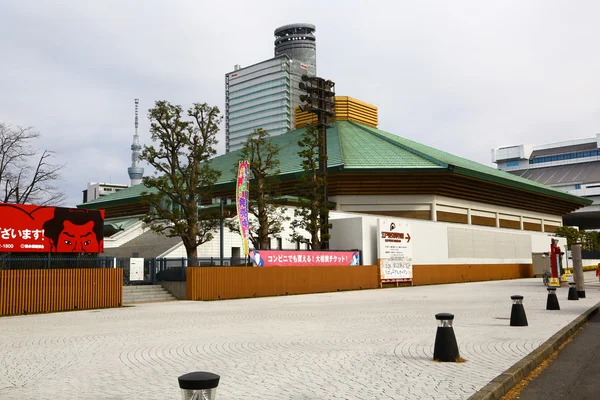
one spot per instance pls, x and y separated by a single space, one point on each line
468 221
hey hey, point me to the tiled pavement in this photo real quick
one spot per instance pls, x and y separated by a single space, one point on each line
374 344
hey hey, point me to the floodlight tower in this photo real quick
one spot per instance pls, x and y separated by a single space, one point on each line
319 100
135 171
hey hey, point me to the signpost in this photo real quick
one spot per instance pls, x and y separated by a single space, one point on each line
136 269
394 249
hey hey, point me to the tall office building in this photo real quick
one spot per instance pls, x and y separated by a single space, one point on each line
265 95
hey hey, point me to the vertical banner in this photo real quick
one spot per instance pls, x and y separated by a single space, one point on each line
242 200
394 250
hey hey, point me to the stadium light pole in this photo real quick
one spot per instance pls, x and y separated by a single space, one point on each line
319 100
222 235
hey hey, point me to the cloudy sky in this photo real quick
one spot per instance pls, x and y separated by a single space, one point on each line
462 76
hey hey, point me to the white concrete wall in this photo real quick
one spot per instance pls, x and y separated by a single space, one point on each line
379 203
125 236
433 242
444 243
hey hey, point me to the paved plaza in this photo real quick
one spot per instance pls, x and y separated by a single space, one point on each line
372 344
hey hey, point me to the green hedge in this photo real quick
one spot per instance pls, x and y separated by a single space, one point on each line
585 268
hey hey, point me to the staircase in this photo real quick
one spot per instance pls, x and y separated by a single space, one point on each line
145 294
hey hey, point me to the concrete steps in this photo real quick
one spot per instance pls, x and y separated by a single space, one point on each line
145 294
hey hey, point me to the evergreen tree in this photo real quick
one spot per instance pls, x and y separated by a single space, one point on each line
183 174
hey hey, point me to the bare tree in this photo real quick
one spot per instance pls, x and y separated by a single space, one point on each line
26 173
184 176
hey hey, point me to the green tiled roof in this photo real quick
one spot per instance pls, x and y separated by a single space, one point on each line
289 161
362 150
122 196
470 168
356 147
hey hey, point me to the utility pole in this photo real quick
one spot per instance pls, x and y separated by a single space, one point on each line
318 100
577 267
222 234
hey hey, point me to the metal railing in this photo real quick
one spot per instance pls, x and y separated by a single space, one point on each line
19 263
155 269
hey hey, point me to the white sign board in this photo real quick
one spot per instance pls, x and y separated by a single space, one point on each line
394 249
136 269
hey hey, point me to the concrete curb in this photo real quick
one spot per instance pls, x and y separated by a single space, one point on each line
515 374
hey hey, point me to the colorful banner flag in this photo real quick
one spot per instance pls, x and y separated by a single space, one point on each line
242 199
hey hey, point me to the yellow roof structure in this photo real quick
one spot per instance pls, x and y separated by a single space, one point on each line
346 109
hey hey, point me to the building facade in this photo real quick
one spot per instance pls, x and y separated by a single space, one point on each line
571 166
96 190
265 95
463 215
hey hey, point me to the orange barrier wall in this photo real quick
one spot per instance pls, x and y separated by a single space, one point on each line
433 274
36 291
214 283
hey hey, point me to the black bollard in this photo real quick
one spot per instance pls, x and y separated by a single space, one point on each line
517 314
199 385
552 302
573 292
445 349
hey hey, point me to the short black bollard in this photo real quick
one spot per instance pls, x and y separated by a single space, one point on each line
445 349
552 302
573 292
517 314
199 385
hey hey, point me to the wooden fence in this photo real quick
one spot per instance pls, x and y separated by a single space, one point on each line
456 273
36 291
214 283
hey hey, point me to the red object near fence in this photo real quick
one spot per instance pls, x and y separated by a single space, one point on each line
26 228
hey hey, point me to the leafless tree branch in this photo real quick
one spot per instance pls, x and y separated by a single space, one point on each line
26 174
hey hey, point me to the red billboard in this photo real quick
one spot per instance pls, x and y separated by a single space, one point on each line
26 228
303 258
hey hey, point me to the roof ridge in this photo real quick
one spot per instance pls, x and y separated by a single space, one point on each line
401 145
474 169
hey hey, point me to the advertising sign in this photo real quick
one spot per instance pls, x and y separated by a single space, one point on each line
28 228
395 250
242 199
136 269
303 258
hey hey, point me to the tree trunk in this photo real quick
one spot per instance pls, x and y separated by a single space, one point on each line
263 227
316 243
191 249
192 255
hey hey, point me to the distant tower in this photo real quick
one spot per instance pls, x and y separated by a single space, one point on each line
299 43
135 172
265 95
